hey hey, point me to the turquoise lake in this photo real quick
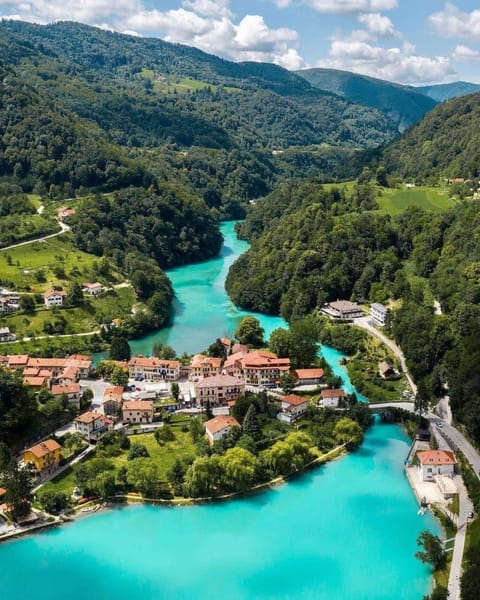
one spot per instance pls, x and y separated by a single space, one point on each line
346 531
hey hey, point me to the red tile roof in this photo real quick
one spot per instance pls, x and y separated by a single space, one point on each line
294 400
71 388
44 448
146 405
221 422
309 373
219 381
88 417
437 457
333 393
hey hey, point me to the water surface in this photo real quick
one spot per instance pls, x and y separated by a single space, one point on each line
346 531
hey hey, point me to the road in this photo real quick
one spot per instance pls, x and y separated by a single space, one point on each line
364 323
63 229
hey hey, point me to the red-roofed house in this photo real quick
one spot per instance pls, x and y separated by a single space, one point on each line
72 391
45 456
260 367
151 368
218 427
308 376
112 400
219 389
333 397
92 425
204 366
138 411
33 381
17 361
293 407
436 462
54 298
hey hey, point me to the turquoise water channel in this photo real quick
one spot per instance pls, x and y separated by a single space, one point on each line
346 531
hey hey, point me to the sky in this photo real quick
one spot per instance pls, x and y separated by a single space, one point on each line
408 41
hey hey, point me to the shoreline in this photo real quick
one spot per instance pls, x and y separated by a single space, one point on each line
132 498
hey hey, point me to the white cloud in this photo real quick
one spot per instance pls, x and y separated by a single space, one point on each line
452 22
283 3
351 6
378 24
401 64
209 8
465 53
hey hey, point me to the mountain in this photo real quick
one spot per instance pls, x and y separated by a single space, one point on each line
145 92
446 91
446 142
404 105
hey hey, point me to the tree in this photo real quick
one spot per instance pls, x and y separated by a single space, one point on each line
248 443
250 332
119 348
119 376
197 429
441 593
163 351
287 382
104 484
280 342
381 176
250 423
143 475
176 476
175 391
86 399
208 410
18 485
18 409
303 342
27 303
203 476
432 552
349 432
164 434
122 476
75 294
137 451
239 469
52 501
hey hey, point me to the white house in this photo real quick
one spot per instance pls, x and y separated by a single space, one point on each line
92 289
343 309
72 391
293 407
218 389
6 335
54 298
138 411
333 397
436 462
92 425
378 312
308 376
151 368
218 427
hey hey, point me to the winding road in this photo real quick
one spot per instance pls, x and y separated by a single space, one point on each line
63 229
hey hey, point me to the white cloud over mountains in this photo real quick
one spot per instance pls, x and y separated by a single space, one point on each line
374 48
452 22
207 24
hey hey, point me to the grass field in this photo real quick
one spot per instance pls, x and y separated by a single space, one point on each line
116 303
24 266
168 85
163 456
395 201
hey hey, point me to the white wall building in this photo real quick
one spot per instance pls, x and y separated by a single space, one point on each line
436 462
218 427
54 298
378 312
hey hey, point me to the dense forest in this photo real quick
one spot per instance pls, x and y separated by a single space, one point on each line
403 104
445 143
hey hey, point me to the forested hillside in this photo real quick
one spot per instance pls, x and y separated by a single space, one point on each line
445 143
446 91
403 104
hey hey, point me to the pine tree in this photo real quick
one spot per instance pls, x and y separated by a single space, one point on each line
250 423
208 410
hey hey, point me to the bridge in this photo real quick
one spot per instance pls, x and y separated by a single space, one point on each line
382 407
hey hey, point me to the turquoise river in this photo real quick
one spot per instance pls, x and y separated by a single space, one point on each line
346 531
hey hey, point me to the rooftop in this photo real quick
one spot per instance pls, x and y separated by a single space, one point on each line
146 405
218 381
333 393
437 457
221 422
44 448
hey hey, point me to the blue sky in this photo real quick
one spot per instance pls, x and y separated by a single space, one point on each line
408 41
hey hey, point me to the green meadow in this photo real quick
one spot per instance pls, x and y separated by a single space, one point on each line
395 201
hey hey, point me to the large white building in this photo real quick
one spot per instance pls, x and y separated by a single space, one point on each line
436 462
293 407
219 389
378 312
343 310
92 425
153 369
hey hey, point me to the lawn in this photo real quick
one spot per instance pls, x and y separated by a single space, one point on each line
80 319
395 201
168 85
63 483
37 266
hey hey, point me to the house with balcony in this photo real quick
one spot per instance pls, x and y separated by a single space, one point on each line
293 408
218 427
150 368
137 411
218 390
92 425
44 457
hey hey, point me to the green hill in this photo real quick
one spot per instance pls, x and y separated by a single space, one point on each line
404 105
446 91
445 143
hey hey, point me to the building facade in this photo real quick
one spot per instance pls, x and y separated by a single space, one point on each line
218 390
45 456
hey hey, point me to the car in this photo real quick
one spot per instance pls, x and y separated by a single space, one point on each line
470 515
439 424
